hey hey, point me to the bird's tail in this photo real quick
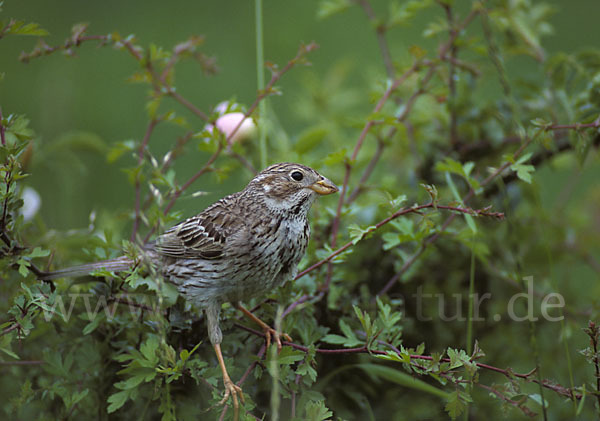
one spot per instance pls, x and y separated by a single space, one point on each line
119 264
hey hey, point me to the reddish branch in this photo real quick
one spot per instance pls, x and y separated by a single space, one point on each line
304 49
2 136
575 126
561 390
407 108
403 211
136 220
516 404
380 30
449 220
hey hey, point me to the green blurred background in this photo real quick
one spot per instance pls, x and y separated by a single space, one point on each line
88 97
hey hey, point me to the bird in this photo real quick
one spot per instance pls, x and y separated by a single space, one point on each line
243 246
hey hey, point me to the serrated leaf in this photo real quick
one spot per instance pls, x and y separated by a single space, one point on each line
38 252
91 326
523 171
22 28
455 406
357 233
317 411
149 348
289 355
327 8
540 122
117 400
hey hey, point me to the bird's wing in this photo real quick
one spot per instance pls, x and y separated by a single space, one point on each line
201 236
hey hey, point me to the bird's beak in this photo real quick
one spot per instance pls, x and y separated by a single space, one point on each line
323 187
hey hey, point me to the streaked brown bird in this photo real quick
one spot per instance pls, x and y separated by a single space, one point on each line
241 247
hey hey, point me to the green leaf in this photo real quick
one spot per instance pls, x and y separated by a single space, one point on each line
540 122
93 325
357 233
584 142
458 357
289 355
119 149
327 8
317 411
31 29
309 139
117 400
335 157
523 171
334 339
349 340
149 348
402 378
38 252
402 14
455 406
468 218
9 352
78 396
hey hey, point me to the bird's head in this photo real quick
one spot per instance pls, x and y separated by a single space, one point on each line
291 187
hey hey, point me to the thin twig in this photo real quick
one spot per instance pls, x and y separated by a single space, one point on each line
451 75
506 399
561 390
151 125
23 362
9 329
2 128
368 170
403 211
430 240
408 106
303 50
380 31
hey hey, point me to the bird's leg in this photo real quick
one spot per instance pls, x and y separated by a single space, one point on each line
231 389
268 330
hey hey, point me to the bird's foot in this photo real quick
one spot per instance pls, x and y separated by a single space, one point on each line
268 331
272 333
233 390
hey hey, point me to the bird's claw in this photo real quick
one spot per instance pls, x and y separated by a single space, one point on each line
233 390
270 332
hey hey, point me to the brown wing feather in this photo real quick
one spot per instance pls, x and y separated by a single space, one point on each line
202 236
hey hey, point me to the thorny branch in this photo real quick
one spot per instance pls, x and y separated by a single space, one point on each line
406 110
304 49
403 211
508 373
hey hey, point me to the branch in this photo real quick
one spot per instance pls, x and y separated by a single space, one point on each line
303 50
369 170
2 129
9 329
403 211
380 31
506 399
449 220
23 362
151 125
561 390
408 106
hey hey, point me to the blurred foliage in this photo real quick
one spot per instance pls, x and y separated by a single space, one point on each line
423 305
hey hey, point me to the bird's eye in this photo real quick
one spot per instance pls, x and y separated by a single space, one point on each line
297 175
